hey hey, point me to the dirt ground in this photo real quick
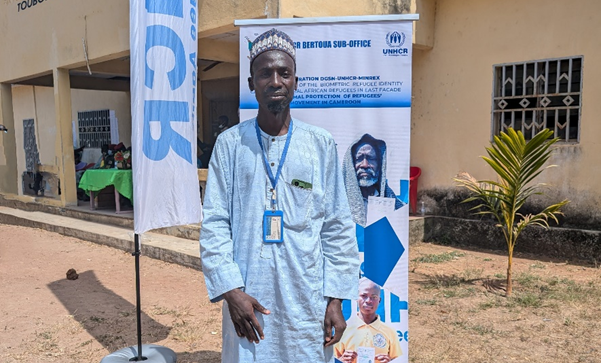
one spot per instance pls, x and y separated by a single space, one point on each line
458 312
46 318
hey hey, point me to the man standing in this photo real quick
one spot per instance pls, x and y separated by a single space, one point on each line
367 332
364 170
277 240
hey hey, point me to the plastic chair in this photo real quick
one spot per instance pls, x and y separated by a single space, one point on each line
414 173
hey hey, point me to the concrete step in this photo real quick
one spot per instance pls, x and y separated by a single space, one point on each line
163 247
173 244
103 216
126 220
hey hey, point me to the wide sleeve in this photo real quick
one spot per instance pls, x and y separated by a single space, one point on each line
339 244
221 273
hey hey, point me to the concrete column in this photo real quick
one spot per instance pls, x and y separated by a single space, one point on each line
8 145
423 30
65 160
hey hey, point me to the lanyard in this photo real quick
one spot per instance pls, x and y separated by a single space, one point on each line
273 180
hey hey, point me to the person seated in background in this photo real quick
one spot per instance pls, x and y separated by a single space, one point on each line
223 124
80 168
204 154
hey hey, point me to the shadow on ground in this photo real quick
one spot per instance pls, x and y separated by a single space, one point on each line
108 317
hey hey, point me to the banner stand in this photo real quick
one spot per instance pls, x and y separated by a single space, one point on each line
154 353
354 80
163 95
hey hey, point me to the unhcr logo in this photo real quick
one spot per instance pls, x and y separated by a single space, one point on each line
395 41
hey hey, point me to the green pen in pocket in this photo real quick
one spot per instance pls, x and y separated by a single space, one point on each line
302 184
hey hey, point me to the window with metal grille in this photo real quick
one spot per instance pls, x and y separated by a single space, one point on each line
95 128
531 96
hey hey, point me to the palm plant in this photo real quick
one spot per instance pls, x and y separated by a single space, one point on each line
517 162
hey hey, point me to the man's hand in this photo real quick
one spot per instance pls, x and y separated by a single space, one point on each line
242 311
348 356
383 358
334 319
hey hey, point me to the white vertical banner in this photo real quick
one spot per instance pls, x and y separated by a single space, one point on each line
354 80
163 43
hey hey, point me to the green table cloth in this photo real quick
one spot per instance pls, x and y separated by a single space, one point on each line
97 179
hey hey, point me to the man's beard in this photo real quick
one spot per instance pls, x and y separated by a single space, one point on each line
369 180
278 106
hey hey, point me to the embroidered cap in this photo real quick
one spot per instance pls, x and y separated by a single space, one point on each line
271 40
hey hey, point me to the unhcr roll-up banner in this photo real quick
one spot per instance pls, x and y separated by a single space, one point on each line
354 80
163 43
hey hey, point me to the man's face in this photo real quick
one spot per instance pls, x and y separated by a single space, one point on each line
367 165
274 80
369 299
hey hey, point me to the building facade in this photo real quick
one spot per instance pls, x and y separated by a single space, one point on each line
479 67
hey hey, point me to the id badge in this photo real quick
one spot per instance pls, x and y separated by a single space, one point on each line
273 226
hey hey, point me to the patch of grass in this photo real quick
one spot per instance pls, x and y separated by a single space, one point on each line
527 300
500 276
444 281
426 302
487 305
46 341
488 259
161 310
538 265
459 292
450 293
97 319
191 334
535 292
477 328
440 258
527 279
470 291
452 285
569 291
86 343
482 330
44 335
472 274
111 341
177 312
492 303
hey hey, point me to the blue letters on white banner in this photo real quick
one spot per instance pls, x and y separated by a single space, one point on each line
163 43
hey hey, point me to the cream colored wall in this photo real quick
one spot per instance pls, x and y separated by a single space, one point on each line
452 86
315 8
452 81
38 103
49 34
216 14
